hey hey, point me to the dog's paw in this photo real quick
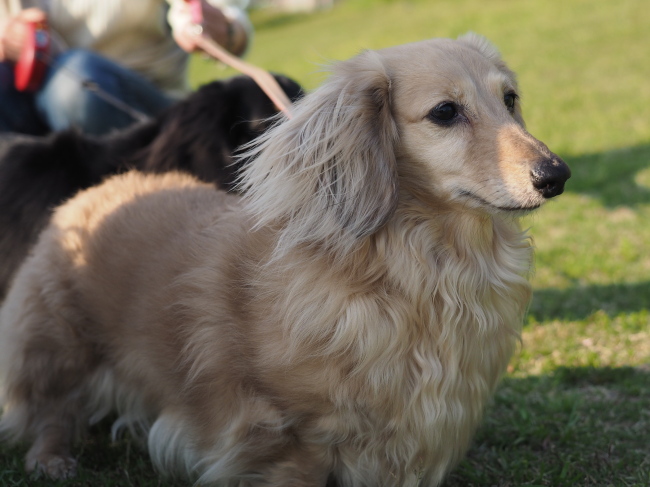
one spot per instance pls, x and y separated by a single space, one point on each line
53 466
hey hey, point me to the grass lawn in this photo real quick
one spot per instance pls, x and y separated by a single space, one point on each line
574 408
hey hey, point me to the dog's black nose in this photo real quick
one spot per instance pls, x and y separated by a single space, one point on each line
549 176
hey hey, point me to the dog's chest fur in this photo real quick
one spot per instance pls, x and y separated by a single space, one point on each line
399 370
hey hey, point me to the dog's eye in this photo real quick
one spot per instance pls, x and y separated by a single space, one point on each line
509 99
444 113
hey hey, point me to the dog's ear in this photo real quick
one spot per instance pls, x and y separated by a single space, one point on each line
330 173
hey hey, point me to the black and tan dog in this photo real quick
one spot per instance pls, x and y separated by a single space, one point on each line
198 135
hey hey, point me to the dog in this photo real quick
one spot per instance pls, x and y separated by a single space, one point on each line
342 322
199 134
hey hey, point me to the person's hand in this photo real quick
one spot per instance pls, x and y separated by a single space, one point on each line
226 32
14 36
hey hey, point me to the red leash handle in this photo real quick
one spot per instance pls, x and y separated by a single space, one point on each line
31 65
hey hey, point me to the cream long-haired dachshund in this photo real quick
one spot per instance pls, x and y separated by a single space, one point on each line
344 322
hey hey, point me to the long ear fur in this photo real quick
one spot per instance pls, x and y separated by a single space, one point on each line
329 174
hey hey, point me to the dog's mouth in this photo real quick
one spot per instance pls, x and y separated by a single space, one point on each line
508 208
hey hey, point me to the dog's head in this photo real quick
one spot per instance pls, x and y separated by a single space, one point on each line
439 119
462 135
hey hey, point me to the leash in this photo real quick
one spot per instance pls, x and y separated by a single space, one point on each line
110 99
34 60
263 78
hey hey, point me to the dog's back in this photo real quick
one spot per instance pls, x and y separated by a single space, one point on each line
121 236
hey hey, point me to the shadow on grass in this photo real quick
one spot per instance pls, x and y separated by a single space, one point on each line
610 176
575 426
580 302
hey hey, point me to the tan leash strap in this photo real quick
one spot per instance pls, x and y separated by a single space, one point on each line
262 77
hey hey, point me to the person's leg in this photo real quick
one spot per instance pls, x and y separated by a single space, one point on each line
69 98
17 110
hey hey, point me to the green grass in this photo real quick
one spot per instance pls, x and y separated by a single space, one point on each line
574 409
575 426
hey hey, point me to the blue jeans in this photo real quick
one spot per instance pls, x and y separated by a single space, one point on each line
65 100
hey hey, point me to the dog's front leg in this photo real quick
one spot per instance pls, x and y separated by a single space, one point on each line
50 452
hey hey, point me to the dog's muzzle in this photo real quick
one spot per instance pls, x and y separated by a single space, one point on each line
549 176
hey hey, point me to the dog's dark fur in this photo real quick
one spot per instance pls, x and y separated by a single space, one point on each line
198 135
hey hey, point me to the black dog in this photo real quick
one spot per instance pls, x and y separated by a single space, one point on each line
199 134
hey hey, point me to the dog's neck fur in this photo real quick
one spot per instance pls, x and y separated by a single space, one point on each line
431 339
